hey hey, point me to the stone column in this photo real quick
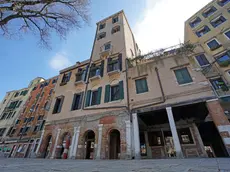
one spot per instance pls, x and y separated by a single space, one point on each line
40 141
220 120
98 156
149 150
128 140
55 144
136 136
176 140
74 144
199 140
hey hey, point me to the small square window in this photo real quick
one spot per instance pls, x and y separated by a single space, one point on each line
115 93
195 22
107 46
224 59
209 11
115 19
202 31
218 21
227 34
202 60
102 26
94 97
183 76
141 85
222 2
115 29
66 78
101 36
213 44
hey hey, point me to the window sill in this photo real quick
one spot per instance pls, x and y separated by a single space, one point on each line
115 101
95 78
142 93
190 83
79 82
113 72
215 48
63 83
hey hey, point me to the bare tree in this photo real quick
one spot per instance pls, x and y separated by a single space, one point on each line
42 17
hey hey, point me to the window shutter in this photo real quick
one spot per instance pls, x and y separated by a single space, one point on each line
107 93
69 75
102 68
121 90
145 85
60 106
74 100
87 101
186 76
99 95
179 77
80 101
108 61
86 72
120 61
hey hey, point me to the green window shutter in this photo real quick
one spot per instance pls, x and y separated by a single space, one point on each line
102 68
73 103
87 101
80 101
99 95
107 93
121 87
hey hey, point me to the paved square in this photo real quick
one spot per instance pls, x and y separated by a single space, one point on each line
164 165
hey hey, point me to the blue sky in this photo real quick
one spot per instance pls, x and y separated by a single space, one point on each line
21 60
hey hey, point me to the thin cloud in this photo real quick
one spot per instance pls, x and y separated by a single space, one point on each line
59 61
162 24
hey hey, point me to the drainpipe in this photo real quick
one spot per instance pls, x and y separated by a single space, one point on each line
162 93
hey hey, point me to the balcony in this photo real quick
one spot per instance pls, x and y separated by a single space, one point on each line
95 74
106 50
80 78
224 92
210 71
113 68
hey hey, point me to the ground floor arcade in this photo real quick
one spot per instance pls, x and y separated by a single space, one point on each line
182 131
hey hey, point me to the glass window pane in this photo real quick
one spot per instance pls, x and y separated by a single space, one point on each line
183 76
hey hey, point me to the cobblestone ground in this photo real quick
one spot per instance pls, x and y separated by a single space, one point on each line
173 165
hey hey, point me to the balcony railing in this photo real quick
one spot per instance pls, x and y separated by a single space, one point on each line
223 92
210 71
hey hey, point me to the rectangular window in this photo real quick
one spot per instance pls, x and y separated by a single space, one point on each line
213 44
101 35
224 59
202 31
76 104
209 11
195 22
222 2
16 94
94 97
227 34
58 105
81 74
115 19
218 83
18 104
3 116
115 93
114 64
141 85
115 29
183 76
102 26
107 46
66 77
96 70
202 60
185 136
17 122
218 21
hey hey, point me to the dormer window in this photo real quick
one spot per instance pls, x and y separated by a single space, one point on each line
209 11
102 26
101 35
115 19
222 2
195 22
202 31
218 21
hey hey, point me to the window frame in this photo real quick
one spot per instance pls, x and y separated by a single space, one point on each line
76 107
208 9
91 97
183 84
198 60
212 49
226 35
61 98
115 21
116 29
192 21
118 96
102 24
216 19
199 30
100 34
146 85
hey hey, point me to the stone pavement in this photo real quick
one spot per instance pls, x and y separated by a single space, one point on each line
164 165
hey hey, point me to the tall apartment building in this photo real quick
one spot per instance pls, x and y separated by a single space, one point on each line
209 29
12 104
29 126
90 105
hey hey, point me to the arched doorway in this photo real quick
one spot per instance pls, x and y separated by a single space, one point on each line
89 144
114 144
48 146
